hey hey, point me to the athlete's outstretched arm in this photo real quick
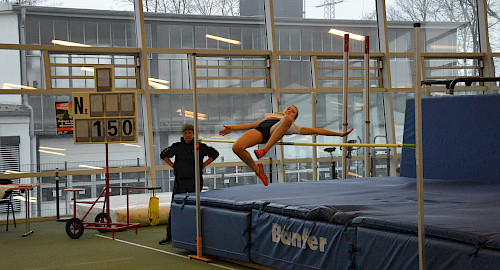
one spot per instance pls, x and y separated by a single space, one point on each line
228 129
322 131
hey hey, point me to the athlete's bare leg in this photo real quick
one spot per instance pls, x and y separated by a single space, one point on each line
248 139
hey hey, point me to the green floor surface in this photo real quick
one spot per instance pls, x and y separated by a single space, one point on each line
48 247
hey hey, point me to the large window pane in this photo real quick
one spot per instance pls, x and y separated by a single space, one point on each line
306 26
329 115
171 111
496 64
75 22
447 25
236 25
299 29
493 14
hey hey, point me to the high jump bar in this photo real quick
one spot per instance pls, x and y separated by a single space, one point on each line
326 144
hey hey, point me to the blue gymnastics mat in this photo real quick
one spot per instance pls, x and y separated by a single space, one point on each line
460 138
363 223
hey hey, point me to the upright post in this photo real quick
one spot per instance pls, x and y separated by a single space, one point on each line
383 40
345 91
314 73
197 173
274 77
366 100
314 139
484 42
57 194
143 83
107 186
418 148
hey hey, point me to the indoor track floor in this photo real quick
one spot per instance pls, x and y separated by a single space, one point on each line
50 248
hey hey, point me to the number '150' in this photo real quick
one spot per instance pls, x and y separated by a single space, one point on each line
112 128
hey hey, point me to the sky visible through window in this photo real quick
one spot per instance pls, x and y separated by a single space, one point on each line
347 9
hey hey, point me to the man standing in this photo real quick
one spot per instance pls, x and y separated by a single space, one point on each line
183 152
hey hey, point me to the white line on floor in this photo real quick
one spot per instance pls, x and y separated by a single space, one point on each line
67 266
159 250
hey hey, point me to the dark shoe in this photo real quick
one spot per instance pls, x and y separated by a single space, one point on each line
261 175
165 241
260 153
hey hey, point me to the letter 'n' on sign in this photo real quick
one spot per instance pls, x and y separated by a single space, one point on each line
81 105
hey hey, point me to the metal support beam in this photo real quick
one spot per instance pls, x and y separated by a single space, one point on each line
386 80
345 92
366 101
314 149
484 42
146 97
197 172
418 149
274 77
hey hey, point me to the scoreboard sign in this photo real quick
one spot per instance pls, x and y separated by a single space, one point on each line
105 116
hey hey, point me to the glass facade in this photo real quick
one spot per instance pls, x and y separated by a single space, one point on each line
239 77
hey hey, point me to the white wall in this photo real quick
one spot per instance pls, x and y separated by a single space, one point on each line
17 126
10 72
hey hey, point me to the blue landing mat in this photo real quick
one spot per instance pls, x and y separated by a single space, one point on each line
461 209
341 220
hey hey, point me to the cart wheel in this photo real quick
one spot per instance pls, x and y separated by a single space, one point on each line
74 228
102 218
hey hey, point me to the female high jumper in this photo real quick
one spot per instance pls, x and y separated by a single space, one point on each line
269 131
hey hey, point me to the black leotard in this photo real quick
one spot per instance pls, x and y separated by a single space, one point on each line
265 128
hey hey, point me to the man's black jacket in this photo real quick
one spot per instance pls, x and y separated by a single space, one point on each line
184 157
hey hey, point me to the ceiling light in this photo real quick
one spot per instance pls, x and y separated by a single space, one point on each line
51 152
158 80
89 69
16 86
21 198
443 47
68 43
353 174
223 39
156 85
341 33
190 114
11 172
51 148
440 94
129 144
90 167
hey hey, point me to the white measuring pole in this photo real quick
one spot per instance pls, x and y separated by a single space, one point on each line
366 100
197 173
418 148
345 91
